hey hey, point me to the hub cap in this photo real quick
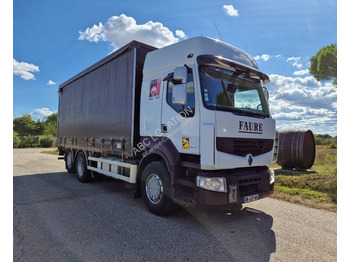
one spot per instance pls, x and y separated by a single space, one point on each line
154 188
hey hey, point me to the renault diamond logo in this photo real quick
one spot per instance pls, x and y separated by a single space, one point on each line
250 159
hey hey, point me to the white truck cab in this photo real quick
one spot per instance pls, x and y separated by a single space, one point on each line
229 124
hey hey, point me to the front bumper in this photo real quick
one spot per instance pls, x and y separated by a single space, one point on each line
240 183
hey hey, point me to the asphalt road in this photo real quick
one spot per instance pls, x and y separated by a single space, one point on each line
57 218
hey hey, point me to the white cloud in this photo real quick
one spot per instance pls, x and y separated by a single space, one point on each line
120 30
293 58
288 116
230 10
51 83
42 112
180 34
265 57
303 103
323 125
23 70
305 91
93 34
295 61
301 72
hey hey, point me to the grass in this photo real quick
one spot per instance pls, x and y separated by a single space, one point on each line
316 187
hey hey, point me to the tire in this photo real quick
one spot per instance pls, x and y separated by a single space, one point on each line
156 189
69 159
83 174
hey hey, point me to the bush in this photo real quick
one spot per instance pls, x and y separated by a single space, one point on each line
16 140
47 141
33 141
331 146
325 140
30 141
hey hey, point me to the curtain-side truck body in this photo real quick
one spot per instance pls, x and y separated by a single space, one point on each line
186 124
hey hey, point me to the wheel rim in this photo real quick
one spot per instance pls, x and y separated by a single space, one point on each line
69 159
154 188
80 166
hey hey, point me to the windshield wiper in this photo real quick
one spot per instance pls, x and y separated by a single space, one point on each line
255 111
239 111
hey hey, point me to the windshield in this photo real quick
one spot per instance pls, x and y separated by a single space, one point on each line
226 90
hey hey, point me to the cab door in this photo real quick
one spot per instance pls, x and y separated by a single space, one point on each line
181 123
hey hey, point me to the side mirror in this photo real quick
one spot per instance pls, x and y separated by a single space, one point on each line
179 94
266 93
180 74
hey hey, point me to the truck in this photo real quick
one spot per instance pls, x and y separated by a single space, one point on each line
187 124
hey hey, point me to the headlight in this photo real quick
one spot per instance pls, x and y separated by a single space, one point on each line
272 176
212 183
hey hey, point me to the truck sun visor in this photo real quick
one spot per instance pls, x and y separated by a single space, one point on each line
232 65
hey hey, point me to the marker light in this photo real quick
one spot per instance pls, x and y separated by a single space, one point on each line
272 176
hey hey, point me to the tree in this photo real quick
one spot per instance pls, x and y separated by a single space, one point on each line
323 65
25 126
16 140
51 119
50 125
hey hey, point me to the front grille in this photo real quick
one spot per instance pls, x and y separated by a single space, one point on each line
249 180
248 190
243 146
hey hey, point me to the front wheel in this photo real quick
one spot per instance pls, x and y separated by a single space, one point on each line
156 189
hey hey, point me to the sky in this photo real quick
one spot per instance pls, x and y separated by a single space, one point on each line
54 40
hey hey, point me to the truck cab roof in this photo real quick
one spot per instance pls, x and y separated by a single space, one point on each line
186 52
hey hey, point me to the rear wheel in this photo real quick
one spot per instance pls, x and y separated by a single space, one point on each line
156 189
83 174
69 159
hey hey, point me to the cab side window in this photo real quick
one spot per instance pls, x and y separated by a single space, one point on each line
190 104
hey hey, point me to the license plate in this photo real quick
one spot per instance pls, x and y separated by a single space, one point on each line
250 198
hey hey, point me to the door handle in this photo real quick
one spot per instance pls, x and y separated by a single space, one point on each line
164 128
